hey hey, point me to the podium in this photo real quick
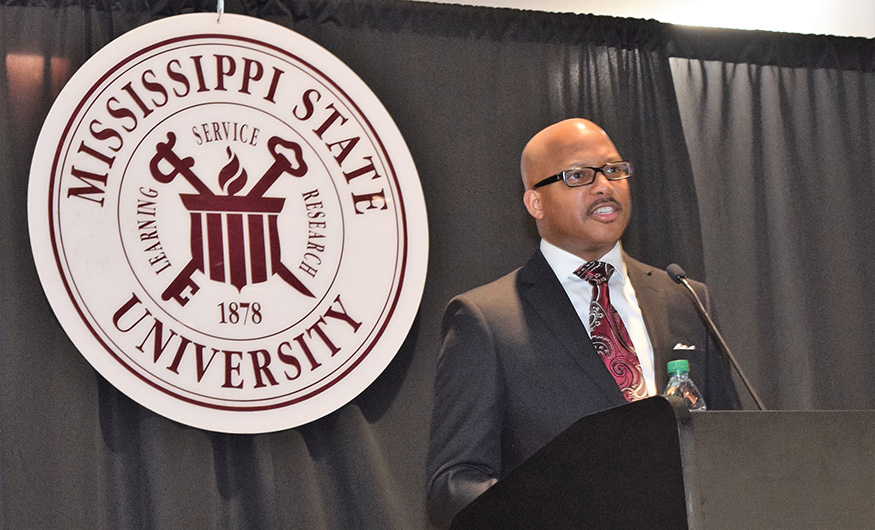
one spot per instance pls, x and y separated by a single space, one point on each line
654 464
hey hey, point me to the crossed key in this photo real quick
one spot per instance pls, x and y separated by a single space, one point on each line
183 166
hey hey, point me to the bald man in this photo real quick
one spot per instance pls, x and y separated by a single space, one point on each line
518 364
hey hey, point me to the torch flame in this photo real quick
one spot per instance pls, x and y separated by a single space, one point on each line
232 178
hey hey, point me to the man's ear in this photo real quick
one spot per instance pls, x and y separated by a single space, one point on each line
532 200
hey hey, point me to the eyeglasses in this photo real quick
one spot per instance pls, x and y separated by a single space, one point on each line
581 176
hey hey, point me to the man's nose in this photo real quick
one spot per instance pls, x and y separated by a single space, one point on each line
601 185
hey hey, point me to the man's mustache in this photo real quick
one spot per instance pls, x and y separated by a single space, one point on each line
598 203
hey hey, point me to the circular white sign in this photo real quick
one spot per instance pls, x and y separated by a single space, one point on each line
227 223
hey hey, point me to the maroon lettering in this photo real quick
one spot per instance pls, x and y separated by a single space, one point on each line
307 353
364 170
289 359
159 345
249 76
225 67
308 269
200 366
155 87
274 83
108 160
232 368
330 121
105 134
341 314
346 147
136 97
179 77
308 102
372 201
89 189
260 362
317 327
199 71
121 113
123 310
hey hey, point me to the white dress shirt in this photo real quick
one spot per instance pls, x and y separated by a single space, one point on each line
622 298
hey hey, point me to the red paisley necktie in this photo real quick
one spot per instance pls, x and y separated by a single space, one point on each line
609 335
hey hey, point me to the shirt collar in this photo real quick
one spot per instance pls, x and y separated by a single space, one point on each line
565 263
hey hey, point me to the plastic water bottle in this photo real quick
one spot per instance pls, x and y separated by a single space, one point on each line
680 385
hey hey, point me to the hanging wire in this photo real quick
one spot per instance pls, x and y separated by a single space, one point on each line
220 8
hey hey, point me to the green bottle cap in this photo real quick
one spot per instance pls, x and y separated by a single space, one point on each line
680 366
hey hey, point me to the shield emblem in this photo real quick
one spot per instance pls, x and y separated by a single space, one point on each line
234 239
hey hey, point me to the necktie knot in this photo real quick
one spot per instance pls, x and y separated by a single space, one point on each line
595 272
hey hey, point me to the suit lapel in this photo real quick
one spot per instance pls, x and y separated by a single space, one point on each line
540 288
650 291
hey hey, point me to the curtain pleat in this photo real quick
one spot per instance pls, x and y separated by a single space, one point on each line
784 169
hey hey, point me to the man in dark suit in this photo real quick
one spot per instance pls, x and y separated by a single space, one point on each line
518 365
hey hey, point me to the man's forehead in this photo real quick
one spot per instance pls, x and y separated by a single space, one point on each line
569 136
578 133
580 150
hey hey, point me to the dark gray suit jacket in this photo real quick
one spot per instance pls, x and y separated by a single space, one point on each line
517 368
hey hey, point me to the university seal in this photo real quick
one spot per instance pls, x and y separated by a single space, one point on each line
227 223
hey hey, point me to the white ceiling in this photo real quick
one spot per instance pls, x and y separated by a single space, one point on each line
851 18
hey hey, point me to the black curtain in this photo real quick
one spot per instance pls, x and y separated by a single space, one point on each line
467 87
783 163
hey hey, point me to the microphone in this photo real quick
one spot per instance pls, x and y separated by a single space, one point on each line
677 274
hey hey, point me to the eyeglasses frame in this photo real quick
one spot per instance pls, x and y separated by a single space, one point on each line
563 175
